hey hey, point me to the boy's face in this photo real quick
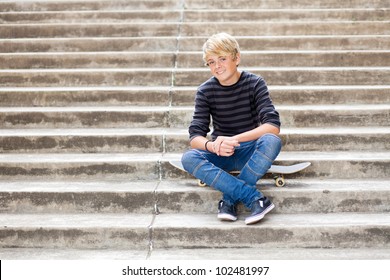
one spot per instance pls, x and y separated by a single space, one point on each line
224 68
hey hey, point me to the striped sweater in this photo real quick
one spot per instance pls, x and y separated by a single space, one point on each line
233 109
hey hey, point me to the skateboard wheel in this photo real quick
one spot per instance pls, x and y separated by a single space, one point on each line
201 184
279 182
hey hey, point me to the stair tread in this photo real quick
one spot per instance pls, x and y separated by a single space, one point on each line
134 108
189 220
181 132
136 157
197 254
187 185
59 220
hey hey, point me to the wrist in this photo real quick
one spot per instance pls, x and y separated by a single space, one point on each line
207 146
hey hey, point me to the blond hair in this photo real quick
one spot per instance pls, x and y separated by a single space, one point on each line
220 44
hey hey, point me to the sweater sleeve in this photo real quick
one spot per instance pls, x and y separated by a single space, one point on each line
200 124
264 107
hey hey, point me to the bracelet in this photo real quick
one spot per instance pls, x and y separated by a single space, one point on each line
205 145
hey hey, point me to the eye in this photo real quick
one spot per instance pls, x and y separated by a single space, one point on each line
222 59
210 63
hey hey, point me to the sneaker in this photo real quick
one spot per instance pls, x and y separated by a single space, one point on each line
226 212
259 207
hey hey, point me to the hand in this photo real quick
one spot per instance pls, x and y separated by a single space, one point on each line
225 146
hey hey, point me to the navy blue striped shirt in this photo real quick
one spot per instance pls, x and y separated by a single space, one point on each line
233 109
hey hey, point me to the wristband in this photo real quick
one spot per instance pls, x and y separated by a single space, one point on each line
205 145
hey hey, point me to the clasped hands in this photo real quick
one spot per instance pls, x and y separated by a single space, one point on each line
225 146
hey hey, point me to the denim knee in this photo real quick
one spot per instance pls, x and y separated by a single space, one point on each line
270 145
188 160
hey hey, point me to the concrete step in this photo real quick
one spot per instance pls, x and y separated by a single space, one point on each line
78 197
225 15
180 117
307 116
284 28
192 59
298 75
293 59
90 96
193 29
268 4
298 196
247 43
90 60
87 77
340 230
101 5
159 140
281 95
42 17
182 96
280 14
190 76
130 166
118 231
197 254
185 196
71 30
81 231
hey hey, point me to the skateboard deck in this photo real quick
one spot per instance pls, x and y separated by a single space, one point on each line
278 171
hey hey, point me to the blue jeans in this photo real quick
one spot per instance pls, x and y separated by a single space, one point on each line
252 159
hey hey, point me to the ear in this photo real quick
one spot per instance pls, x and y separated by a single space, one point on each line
238 59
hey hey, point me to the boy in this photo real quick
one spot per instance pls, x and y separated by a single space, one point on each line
245 128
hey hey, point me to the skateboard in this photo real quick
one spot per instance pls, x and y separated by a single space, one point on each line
277 171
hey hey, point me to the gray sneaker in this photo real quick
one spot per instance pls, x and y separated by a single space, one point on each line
226 212
259 208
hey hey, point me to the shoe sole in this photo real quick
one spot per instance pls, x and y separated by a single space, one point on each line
226 217
254 219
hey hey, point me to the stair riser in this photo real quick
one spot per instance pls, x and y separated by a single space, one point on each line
195 200
149 170
286 29
88 5
189 4
81 238
242 4
182 97
133 96
336 76
81 170
193 29
91 30
188 60
90 44
182 119
192 16
179 143
352 59
309 118
160 77
77 202
111 77
287 200
101 17
94 60
148 119
193 44
284 15
303 96
266 237
319 169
